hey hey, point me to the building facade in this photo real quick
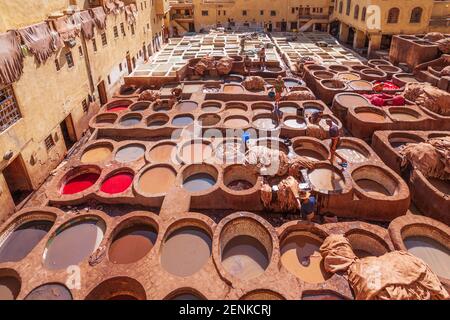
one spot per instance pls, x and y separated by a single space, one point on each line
47 109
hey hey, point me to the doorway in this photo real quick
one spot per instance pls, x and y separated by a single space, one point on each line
101 88
191 27
17 180
68 132
269 27
129 66
283 26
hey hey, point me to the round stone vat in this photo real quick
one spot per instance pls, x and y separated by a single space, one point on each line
130 153
378 62
233 88
211 106
404 114
50 291
191 88
163 152
140 106
300 255
321 295
338 68
73 242
389 69
347 100
294 122
366 243
157 120
360 85
236 108
162 106
238 178
105 119
209 119
245 248
289 107
333 84
185 294
230 150
312 107
79 179
211 88
272 143
373 74
315 67
233 78
118 105
264 121
291 82
352 151
401 79
199 178
97 152
323 75
262 294
195 151
130 120
262 107
118 288
370 114
182 120
310 148
326 178
375 181
156 179
9 284
398 140
186 248
132 240
23 235
348 76
358 67
236 122
186 106
117 182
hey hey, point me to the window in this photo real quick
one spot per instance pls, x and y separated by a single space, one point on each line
224 12
142 6
9 110
85 106
363 14
244 12
273 13
80 51
116 32
57 65
120 67
49 143
393 15
261 12
132 29
314 10
69 59
148 26
416 15
218 12
122 29
109 79
104 40
94 45
341 5
292 10
356 13
349 6
204 13
145 4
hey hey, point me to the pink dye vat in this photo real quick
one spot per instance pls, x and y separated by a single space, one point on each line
80 183
117 183
117 109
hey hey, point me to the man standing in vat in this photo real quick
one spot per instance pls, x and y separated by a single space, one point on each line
279 87
262 57
176 96
335 136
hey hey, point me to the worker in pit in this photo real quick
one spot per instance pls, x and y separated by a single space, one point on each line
279 88
262 57
247 64
335 137
315 117
176 96
308 206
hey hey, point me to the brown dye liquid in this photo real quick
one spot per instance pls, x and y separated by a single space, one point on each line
351 100
326 179
442 185
362 253
323 296
361 85
73 244
186 251
186 296
370 117
310 154
52 291
232 89
162 153
239 185
372 187
132 244
9 288
351 155
245 257
23 239
436 255
236 122
157 180
196 152
187 106
300 256
96 154
236 110
211 108
348 76
408 79
403 116
262 296
209 120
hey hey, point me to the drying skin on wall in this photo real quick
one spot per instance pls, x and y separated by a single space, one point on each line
39 41
66 28
99 17
86 23
11 58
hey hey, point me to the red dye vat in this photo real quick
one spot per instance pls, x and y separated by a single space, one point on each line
80 183
117 183
117 109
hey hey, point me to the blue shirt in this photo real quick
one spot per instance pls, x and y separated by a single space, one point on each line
309 207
